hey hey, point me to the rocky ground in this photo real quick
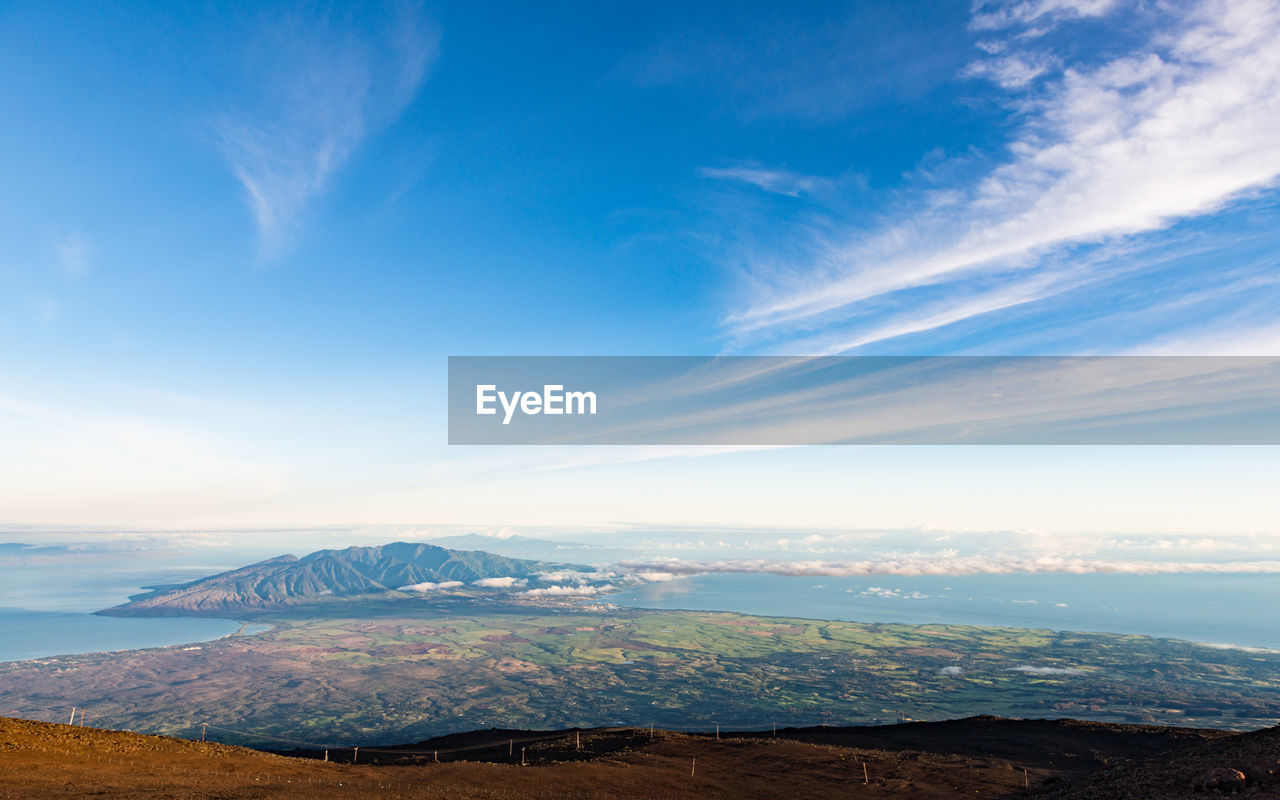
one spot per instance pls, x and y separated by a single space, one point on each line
982 757
1244 766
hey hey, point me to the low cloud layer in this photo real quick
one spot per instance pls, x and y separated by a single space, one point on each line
1030 669
428 586
944 565
575 576
499 583
568 591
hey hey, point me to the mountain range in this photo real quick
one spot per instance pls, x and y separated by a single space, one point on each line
355 572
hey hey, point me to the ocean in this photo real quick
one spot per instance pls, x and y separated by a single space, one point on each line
1226 609
45 609
37 634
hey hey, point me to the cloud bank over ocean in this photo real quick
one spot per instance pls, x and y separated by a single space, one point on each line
666 568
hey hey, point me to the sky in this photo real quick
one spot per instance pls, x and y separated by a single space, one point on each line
238 242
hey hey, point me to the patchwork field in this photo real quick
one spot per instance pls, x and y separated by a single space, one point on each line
408 670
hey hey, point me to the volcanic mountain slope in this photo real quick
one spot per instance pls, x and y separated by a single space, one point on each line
288 581
1245 766
971 758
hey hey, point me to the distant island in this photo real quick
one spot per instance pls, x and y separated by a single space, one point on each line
404 641
397 570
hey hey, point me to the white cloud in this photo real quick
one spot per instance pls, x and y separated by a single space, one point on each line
1218 338
657 576
575 575
568 591
930 316
324 83
1180 127
952 672
499 583
1034 670
777 181
428 586
949 565
1039 13
1245 648
892 594
562 576
1011 72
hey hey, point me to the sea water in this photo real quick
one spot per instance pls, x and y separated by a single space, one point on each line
46 610
1229 609
28 634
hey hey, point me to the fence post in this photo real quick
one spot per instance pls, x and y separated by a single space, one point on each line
355 755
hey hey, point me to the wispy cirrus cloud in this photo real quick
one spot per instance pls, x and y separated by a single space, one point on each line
1012 71
1178 128
318 82
804 63
774 180
1219 337
1038 14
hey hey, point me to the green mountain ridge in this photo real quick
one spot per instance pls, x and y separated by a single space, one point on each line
287 581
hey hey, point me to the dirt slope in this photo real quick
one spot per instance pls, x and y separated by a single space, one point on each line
976 758
1244 766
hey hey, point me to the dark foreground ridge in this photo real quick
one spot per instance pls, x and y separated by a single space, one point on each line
979 757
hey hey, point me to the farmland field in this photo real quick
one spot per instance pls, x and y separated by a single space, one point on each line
407 670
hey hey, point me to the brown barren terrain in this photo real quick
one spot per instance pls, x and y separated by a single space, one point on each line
981 757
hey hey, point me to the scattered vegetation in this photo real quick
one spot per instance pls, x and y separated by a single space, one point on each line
407 670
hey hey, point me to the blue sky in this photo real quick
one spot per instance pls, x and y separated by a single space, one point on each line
237 243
